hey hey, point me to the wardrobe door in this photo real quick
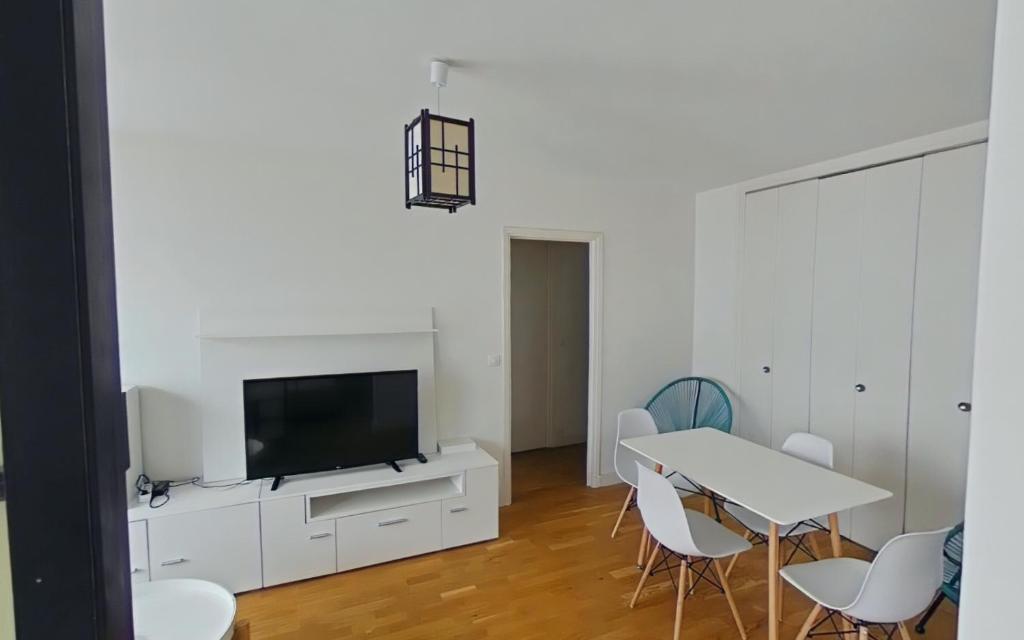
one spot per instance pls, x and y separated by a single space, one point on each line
834 316
945 299
791 331
760 220
888 257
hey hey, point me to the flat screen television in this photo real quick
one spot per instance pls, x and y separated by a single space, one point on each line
319 423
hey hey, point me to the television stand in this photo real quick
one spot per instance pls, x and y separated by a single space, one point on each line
422 458
394 465
277 483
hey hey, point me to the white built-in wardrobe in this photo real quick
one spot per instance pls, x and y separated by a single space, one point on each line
856 322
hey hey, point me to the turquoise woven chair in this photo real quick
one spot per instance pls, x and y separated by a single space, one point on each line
952 562
688 403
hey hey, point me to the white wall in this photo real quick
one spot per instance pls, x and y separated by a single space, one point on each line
716 260
995 475
204 220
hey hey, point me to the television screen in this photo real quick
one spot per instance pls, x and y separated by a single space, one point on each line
318 423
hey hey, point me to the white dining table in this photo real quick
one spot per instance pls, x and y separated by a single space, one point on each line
782 489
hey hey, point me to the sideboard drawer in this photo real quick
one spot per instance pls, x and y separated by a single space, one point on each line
380 536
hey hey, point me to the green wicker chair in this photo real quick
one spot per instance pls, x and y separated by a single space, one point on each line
688 403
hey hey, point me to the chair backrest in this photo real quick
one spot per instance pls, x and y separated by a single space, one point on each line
632 423
810 448
663 512
953 558
903 578
692 402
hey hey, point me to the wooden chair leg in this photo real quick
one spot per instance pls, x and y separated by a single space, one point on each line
642 553
862 633
809 623
728 596
625 508
904 634
709 506
643 578
728 570
680 596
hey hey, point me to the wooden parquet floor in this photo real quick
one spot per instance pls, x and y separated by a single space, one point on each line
554 573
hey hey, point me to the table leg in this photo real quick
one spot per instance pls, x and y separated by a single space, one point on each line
773 581
837 540
837 551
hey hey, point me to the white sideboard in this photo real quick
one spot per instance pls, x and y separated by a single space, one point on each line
247 536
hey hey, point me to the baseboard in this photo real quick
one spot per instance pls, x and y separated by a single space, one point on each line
608 479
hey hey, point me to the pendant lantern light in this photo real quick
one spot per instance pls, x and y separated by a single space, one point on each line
439 156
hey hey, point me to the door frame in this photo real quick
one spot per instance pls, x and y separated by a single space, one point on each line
65 442
595 270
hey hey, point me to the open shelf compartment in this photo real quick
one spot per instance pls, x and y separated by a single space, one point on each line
329 506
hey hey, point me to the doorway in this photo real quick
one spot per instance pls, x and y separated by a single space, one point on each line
551 358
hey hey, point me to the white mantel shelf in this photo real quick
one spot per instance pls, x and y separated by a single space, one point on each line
301 323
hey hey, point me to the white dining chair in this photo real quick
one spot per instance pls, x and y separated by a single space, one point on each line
697 541
898 585
807 447
632 423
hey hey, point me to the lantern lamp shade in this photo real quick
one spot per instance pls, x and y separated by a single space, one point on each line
439 162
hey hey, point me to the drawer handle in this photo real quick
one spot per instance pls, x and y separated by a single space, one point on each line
458 509
137 570
317 536
167 563
388 523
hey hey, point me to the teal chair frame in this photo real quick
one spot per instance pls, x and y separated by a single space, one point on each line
691 402
952 560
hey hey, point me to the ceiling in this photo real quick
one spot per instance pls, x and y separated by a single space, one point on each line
697 93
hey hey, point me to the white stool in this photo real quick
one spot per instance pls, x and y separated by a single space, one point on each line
182 610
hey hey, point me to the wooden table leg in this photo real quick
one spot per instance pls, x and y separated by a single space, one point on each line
773 581
781 583
837 540
837 551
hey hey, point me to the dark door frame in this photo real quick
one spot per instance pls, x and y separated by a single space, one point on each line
64 435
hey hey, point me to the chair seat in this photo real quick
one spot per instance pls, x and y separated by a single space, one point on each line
834 583
712 538
759 524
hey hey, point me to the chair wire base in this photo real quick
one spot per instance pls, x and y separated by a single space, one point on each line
833 619
701 568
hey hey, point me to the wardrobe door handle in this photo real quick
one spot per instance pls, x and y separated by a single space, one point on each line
167 563
860 388
317 536
964 406
766 369
458 509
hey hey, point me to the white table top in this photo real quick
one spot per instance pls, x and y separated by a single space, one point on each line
777 486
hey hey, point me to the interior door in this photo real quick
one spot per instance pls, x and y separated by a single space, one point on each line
834 316
945 300
791 331
568 341
529 336
760 221
889 251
